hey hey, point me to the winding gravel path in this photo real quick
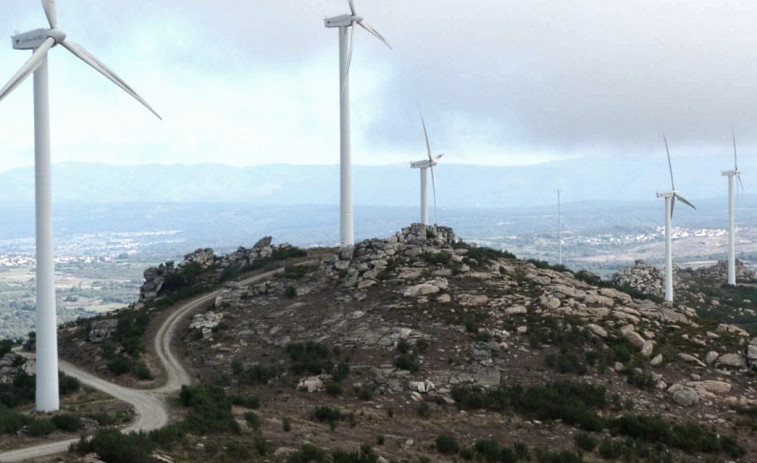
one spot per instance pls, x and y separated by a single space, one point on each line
149 405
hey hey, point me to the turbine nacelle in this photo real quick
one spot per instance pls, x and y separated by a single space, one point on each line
426 163
730 173
30 40
343 20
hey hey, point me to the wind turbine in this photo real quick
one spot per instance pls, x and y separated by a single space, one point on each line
41 41
423 165
731 221
670 200
559 230
345 22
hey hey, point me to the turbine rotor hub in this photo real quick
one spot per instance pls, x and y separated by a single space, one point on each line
58 35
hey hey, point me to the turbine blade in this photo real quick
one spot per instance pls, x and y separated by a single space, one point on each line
741 185
683 200
349 60
735 158
30 66
428 146
352 7
373 31
100 67
672 206
433 188
52 15
670 166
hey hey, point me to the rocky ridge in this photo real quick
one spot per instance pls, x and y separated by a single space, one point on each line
650 279
485 318
402 323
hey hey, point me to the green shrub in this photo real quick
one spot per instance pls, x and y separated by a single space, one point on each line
297 271
333 388
641 380
120 364
561 400
544 455
67 384
286 424
309 453
434 258
259 374
262 446
423 410
142 371
66 422
210 410
403 347
41 427
10 422
253 420
365 455
421 345
610 449
447 444
340 372
237 368
521 451
250 401
507 455
407 362
586 441
488 449
114 447
363 392
327 413
467 453
310 357
290 292
167 435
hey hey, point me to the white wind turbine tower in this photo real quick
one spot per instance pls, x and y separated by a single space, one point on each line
559 230
670 199
345 22
41 41
731 221
423 165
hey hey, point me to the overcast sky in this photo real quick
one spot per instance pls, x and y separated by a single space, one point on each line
250 82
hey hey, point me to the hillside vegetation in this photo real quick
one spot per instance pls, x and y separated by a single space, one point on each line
420 347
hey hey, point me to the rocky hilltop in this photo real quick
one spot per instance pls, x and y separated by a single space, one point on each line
420 347
651 280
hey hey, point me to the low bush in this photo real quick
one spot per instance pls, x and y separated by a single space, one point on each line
447 444
114 447
309 453
310 357
586 441
571 402
41 427
333 388
210 410
253 420
363 392
259 374
249 401
120 364
327 413
66 422
407 362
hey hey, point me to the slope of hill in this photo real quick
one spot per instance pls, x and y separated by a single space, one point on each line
422 348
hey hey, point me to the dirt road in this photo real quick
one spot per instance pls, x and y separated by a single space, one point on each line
149 405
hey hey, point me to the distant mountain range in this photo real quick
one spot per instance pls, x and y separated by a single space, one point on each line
458 185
